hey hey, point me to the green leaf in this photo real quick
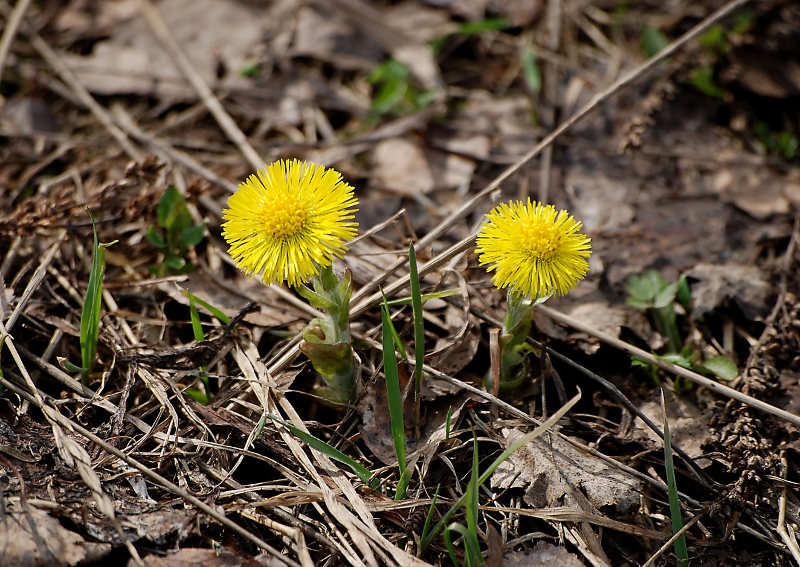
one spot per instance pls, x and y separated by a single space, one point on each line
702 78
394 396
224 319
175 262
165 205
721 366
678 359
193 235
684 293
653 41
681 551
155 238
419 325
68 366
360 470
665 296
530 71
482 26
639 303
198 396
645 287
197 326
90 315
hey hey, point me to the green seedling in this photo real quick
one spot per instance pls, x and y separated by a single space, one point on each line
176 233
653 40
395 399
250 70
716 42
650 292
395 92
530 71
90 315
419 329
782 144
204 397
469 533
478 27
681 552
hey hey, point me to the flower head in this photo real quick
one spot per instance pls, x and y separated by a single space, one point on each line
289 219
534 249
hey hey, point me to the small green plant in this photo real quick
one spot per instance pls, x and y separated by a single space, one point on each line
661 299
478 27
395 397
395 92
653 40
681 552
204 397
90 315
782 144
469 533
250 70
176 233
716 42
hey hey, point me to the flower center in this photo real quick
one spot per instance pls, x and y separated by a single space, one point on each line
285 216
540 240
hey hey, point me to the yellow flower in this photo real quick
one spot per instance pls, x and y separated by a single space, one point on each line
535 250
288 220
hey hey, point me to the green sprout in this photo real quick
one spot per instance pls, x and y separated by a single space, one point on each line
90 315
661 299
176 233
395 92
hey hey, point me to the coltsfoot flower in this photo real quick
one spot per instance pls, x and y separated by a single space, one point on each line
288 220
533 249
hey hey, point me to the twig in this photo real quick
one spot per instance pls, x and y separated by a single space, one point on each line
650 562
127 123
669 367
586 110
81 92
789 539
548 113
12 25
151 474
229 127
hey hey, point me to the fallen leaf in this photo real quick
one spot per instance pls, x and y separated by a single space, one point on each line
34 538
550 469
718 286
543 555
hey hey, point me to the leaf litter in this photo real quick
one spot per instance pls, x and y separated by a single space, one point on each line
707 187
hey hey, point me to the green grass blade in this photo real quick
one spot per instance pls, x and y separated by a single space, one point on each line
471 543
394 396
197 327
419 325
472 551
211 309
451 550
437 529
681 551
429 517
360 470
90 315
442 293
